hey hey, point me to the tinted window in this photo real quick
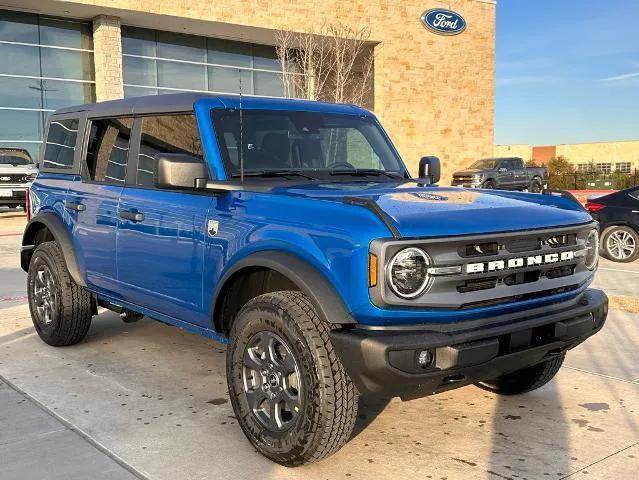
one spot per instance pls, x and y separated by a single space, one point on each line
634 194
517 163
60 146
165 134
107 150
273 140
507 164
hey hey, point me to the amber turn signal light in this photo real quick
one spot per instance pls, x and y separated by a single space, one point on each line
372 270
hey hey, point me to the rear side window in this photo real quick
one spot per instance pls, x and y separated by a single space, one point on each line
60 146
165 134
108 150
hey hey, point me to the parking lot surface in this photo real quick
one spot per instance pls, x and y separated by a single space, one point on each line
154 397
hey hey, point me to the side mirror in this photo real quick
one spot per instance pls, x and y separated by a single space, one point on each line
430 167
178 170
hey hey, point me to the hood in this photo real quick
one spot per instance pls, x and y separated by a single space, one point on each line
468 172
422 211
26 169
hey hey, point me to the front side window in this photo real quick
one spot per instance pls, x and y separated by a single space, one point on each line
312 142
165 134
108 150
60 147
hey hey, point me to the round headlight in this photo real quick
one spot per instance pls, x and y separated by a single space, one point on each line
408 272
592 250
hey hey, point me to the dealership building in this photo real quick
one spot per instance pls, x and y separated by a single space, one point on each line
433 92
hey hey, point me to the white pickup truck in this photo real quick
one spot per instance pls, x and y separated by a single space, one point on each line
17 171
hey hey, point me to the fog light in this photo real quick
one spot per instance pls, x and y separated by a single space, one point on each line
425 359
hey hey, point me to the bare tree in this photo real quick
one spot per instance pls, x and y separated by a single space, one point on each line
333 63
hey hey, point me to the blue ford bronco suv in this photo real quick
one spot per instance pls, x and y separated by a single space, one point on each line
293 231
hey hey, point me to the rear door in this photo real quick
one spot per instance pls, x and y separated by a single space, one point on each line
93 202
162 233
520 175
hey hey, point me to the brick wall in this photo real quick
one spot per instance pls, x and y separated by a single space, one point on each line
434 94
107 45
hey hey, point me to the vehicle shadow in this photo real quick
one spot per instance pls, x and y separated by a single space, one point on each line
530 436
368 409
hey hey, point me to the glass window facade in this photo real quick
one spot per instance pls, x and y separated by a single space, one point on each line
156 62
45 64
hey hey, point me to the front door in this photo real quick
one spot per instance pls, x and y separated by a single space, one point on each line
92 203
162 233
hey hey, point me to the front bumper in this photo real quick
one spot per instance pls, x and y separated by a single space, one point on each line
384 362
13 194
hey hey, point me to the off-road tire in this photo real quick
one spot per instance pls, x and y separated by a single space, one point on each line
620 229
525 380
71 305
328 398
489 185
535 186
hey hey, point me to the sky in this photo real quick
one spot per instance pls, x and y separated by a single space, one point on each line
567 71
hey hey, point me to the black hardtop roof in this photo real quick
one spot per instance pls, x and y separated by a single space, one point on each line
184 101
173 102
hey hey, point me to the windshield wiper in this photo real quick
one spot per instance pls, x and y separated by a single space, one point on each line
365 172
274 173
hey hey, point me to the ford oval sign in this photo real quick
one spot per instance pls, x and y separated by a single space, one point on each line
443 22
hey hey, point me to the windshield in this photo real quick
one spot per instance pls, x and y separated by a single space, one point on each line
317 144
13 160
486 163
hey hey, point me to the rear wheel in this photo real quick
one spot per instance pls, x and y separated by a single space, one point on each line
289 391
621 244
525 380
535 186
60 309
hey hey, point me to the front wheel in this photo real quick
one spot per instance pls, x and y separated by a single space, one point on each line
525 380
289 391
621 244
489 185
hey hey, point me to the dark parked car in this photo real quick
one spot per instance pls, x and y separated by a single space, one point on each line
502 174
618 214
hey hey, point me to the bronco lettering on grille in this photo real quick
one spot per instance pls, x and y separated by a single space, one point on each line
519 262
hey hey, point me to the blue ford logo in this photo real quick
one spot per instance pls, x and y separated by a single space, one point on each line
443 22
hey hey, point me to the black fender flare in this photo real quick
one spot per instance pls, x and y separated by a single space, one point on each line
315 285
60 234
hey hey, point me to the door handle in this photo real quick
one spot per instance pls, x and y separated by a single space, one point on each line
78 207
132 216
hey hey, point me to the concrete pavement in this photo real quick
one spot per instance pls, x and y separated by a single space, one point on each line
156 397
34 445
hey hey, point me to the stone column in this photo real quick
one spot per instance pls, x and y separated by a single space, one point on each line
107 46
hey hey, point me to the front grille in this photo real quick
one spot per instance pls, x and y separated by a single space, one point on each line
11 177
463 179
495 268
